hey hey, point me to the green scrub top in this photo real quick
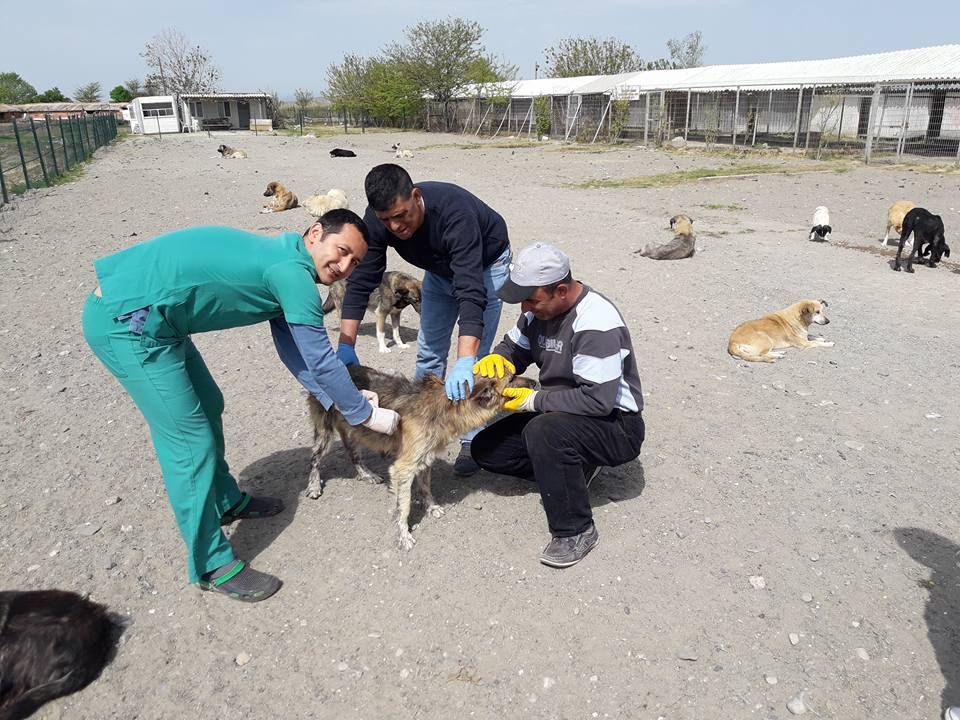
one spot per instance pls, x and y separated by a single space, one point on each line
211 278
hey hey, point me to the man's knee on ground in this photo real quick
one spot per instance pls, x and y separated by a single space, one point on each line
545 433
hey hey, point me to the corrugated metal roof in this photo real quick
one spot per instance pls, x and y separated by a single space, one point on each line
941 63
222 96
57 107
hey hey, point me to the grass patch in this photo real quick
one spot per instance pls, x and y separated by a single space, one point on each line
322 131
732 207
74 173
502 144
686 176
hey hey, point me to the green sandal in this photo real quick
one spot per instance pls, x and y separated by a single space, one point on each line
243 583
252 508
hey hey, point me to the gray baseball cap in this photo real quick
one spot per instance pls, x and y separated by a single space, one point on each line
535 266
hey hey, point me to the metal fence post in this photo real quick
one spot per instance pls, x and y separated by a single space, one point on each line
83 148
3 186
905 122
868 147
23 162
36 143
63 139
56 170
769 112
796 122
646 115
86 130
686 122
736 117
813 94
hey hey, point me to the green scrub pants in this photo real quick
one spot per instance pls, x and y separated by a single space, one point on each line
182 405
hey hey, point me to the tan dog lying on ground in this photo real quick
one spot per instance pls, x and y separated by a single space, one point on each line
428 422
229 152
283 199
317 205
760 340
683 245
397 290
895 215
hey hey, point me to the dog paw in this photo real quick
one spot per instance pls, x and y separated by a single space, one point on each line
909 269
826 343
370 477
403 345
313 493
407 541
384 349
897 268
435 511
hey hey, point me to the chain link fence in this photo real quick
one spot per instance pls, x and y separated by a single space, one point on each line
878 123
34 153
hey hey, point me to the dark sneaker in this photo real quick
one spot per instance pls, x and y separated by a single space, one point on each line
239 581
590 472
465 464
566 551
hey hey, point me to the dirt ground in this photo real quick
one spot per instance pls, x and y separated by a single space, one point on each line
831 474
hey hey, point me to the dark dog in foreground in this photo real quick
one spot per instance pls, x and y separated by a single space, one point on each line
927 229
340 152
397 290
428 422
52 643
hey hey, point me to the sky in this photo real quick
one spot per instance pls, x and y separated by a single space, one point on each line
283 45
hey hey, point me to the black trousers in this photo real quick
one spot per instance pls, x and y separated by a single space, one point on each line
553 448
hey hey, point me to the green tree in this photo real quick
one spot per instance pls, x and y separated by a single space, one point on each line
50 96
438 55
391 92
687 51
573 57
15 90
134 87
89 93
347 84
120 94
302 99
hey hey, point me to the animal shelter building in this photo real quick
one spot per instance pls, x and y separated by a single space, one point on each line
885 105
196 112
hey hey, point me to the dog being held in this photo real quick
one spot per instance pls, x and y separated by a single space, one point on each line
283 199
763 339
340 152
428 423
821 229
683 245
400 153
52 643
396 291
317 205
229 152
927 229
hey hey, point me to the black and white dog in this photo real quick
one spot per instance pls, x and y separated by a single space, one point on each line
821 225
52 643
927 229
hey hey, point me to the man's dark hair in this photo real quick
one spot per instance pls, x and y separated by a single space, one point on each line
333 221
551 289
385 184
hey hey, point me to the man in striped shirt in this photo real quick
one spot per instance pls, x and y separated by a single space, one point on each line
587 412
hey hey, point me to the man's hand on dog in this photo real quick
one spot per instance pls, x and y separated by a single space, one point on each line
520 399
461 374
493 365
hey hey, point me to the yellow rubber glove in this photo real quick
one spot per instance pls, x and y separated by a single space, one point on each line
521 399
493 365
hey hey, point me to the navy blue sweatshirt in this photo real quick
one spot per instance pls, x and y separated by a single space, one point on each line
460 236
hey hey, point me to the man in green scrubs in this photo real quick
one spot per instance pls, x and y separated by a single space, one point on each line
154 295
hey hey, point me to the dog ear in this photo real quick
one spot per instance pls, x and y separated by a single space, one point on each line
824 303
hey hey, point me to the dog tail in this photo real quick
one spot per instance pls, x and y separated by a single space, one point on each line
329 304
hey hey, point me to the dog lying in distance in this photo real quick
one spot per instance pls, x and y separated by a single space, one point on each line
763 339
895 215
683 245
340 152
396 291
283 199
52 643
229 152
927 230
317 205
821 229
399 153
428 423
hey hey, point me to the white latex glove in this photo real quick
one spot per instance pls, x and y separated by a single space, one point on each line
371 397
382 420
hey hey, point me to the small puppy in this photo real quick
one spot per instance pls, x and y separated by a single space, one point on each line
759 340
821 229
683 245
229 152
52 643
399 153
895 215
428 422
397 290
283 199
340 152
927 229
317 205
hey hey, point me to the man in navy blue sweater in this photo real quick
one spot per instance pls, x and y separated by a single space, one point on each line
463 246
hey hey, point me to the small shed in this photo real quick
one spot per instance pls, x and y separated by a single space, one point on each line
223 111
154 114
